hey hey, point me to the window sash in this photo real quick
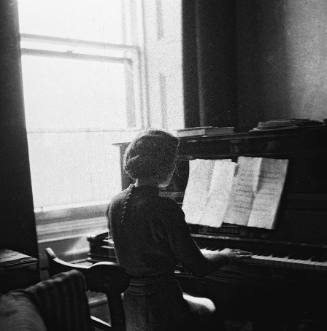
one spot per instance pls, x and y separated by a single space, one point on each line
57 47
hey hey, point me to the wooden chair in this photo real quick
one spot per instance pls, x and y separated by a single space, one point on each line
106 277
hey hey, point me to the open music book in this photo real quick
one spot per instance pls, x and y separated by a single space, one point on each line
243 193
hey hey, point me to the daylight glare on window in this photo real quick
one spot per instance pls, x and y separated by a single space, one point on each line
82 92
97 20
69 94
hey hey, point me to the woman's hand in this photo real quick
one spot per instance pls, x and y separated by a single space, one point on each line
226 255
235 254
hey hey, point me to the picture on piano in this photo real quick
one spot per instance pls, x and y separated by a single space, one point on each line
244 193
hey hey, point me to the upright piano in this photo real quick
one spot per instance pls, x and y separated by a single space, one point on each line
284 285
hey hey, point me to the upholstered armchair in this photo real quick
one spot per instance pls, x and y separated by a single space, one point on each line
60 303
57 304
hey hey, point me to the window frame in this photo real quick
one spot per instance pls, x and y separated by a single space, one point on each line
31 45
71 222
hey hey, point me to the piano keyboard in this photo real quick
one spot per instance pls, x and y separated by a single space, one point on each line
285 262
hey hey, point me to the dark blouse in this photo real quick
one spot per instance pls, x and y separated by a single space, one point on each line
153 235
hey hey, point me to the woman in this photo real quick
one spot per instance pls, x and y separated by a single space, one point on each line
151 236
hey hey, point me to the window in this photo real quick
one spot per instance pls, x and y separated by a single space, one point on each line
94 72
83 89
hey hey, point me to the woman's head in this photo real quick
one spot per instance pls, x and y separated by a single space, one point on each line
151 154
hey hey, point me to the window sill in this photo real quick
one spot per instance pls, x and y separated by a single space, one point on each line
66 231
60 230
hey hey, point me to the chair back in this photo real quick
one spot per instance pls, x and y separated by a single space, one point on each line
62 302
107 277
58 303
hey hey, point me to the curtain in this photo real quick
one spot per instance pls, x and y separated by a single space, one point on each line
17 216
209 62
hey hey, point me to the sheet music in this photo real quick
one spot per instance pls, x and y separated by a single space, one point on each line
256 192
242 193
214 195
267 196
218 195
196 192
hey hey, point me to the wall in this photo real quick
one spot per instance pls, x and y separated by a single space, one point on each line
281 60
163 52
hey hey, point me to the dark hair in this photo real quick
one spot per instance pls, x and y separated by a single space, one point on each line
151 154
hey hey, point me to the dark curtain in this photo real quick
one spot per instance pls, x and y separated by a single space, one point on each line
17 229
209 62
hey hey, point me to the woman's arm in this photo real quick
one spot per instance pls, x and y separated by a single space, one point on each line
200 262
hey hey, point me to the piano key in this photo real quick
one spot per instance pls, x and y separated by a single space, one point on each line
298 256
286 262
289 261
319 258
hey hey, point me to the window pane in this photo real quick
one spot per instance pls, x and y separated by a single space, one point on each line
97 20
70 94
73 168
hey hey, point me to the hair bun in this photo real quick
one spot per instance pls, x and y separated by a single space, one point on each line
138 166
151 154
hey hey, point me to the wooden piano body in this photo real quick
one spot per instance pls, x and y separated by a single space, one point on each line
286 287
